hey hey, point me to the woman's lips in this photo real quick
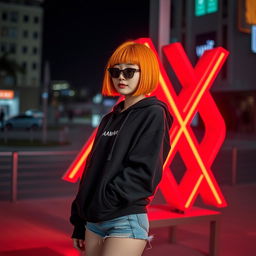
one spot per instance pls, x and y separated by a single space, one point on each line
122 85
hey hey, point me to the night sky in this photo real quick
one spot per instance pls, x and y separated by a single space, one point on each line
80 35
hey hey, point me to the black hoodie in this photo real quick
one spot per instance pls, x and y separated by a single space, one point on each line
125 164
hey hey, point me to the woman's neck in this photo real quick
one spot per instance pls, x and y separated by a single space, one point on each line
130 100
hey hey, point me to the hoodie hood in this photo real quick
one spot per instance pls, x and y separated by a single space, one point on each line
145 102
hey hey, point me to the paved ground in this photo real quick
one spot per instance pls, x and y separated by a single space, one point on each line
41 228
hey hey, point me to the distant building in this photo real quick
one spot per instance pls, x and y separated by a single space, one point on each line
21 39
204 24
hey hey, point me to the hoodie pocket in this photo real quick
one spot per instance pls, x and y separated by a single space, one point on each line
107 198
99 205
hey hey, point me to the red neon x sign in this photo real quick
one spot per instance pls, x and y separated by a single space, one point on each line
194 97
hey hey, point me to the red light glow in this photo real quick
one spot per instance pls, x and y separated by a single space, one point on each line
193 98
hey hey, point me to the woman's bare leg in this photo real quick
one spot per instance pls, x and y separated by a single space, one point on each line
114 246
93 244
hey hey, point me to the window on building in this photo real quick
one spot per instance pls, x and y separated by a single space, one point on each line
24 65
36 19
35 35
4 16
35 50
12 32
34 66
24 49
14 17
13 48
33 81
4 31
25 33
8 32
9 80
3 47
26 18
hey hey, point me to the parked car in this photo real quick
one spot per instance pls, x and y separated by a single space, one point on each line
34 113
23 121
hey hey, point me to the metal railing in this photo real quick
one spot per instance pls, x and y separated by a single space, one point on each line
15 165
234 168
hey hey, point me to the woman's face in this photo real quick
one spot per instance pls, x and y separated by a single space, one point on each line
123 84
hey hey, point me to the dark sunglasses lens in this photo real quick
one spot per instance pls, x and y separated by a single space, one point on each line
114 72
129 73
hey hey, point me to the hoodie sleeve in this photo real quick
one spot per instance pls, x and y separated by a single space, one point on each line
75 219
143 165
79 224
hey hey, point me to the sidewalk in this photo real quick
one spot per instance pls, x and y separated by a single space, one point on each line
80 129
41 228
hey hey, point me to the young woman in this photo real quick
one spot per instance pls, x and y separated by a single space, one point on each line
124 167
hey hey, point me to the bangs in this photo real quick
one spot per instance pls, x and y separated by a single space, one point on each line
126 54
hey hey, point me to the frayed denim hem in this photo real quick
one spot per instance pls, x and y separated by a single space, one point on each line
150 238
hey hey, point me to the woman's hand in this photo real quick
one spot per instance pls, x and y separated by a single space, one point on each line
79 244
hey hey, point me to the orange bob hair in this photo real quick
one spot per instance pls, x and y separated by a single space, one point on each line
133 53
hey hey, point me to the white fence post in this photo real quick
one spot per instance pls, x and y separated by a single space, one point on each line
15 158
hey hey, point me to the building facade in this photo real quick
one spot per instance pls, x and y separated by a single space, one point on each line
204 24
21 24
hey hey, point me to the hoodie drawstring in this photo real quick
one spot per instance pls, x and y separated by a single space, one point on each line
113 145
97 142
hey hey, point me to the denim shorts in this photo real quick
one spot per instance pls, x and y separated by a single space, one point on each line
128 226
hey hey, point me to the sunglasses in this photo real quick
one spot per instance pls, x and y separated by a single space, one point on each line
128 73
